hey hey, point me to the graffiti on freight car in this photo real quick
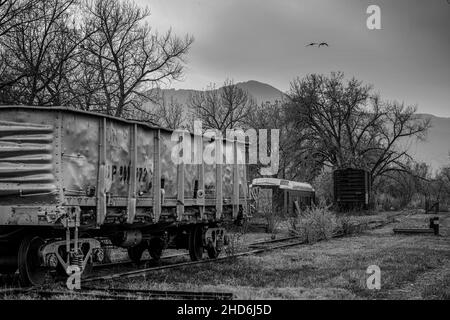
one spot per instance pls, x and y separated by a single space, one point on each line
122 174
210 190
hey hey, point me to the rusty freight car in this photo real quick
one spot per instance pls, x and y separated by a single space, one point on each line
69 179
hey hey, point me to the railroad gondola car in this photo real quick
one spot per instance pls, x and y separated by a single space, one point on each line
282 197
70 180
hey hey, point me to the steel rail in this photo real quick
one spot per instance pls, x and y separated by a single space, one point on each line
140 272
261 243
122 294
254 244
168 293
258 250
119 293
126 262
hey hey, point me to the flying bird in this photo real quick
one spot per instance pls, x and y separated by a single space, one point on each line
323 44
311 44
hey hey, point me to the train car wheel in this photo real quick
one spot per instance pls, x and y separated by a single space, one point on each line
135 253
30 271
155 248
196 243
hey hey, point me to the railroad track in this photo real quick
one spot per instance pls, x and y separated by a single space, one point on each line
140 272
256 244
164 294
257 247
129 262
124 294
120 294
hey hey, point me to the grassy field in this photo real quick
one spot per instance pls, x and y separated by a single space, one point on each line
412 267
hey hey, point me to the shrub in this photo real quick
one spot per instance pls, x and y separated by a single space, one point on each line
316 223
323 185
236 236
386 202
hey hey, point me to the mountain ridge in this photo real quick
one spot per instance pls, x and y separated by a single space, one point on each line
262 92
434 150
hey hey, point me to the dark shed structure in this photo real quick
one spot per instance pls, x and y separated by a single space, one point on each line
352 189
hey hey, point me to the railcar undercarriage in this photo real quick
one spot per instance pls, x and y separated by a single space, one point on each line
35 252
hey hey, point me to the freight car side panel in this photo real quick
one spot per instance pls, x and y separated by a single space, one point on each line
242 181
210 181
28 143
227 177
118 158
52 159
191 172
241 170
209 171
168 168
80 140
145 162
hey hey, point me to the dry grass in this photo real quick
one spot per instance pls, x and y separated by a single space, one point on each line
412 267
335 269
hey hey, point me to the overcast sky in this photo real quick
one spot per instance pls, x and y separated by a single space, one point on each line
408 60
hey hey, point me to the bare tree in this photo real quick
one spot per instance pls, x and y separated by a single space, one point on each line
296 163
37 53
10 11
170 113
129 59
437 189
92 55
350 126
224 108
